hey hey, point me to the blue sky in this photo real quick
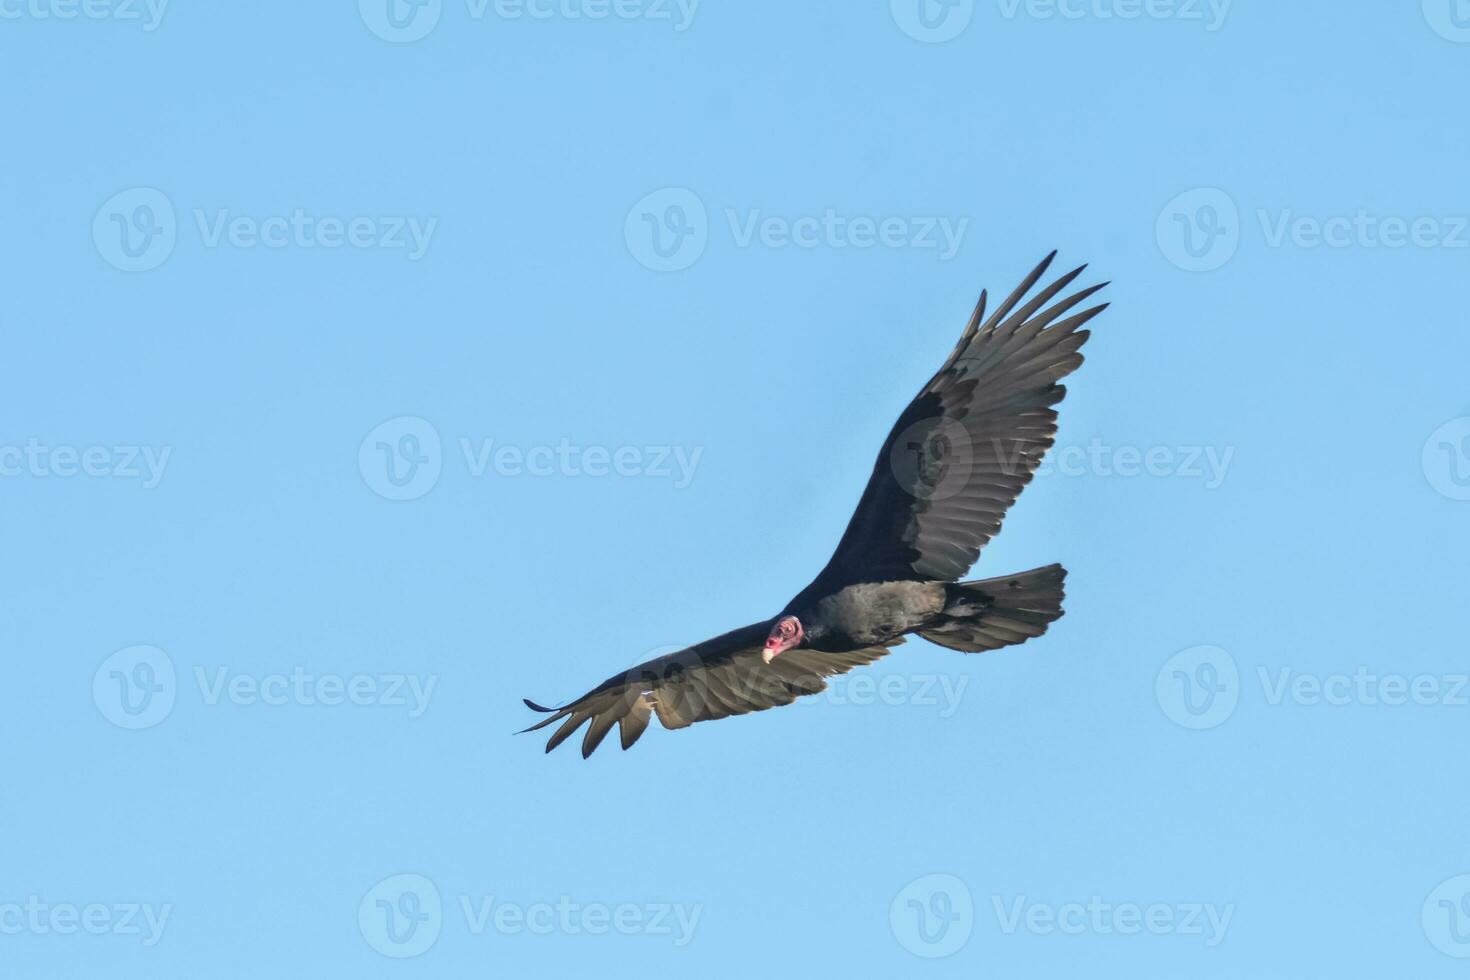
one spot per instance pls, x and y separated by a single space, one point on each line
628 295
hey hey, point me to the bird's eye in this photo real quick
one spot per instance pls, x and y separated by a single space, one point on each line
788 628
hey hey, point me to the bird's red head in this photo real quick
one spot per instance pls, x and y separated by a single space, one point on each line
785 634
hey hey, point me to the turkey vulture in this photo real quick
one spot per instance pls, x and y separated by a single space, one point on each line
957 458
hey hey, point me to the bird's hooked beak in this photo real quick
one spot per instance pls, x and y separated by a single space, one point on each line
786 634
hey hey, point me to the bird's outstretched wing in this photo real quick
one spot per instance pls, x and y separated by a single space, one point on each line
964 449
715 679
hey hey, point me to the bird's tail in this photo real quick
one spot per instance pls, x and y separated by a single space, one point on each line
996 612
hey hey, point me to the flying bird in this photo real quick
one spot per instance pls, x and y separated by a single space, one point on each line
956 460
